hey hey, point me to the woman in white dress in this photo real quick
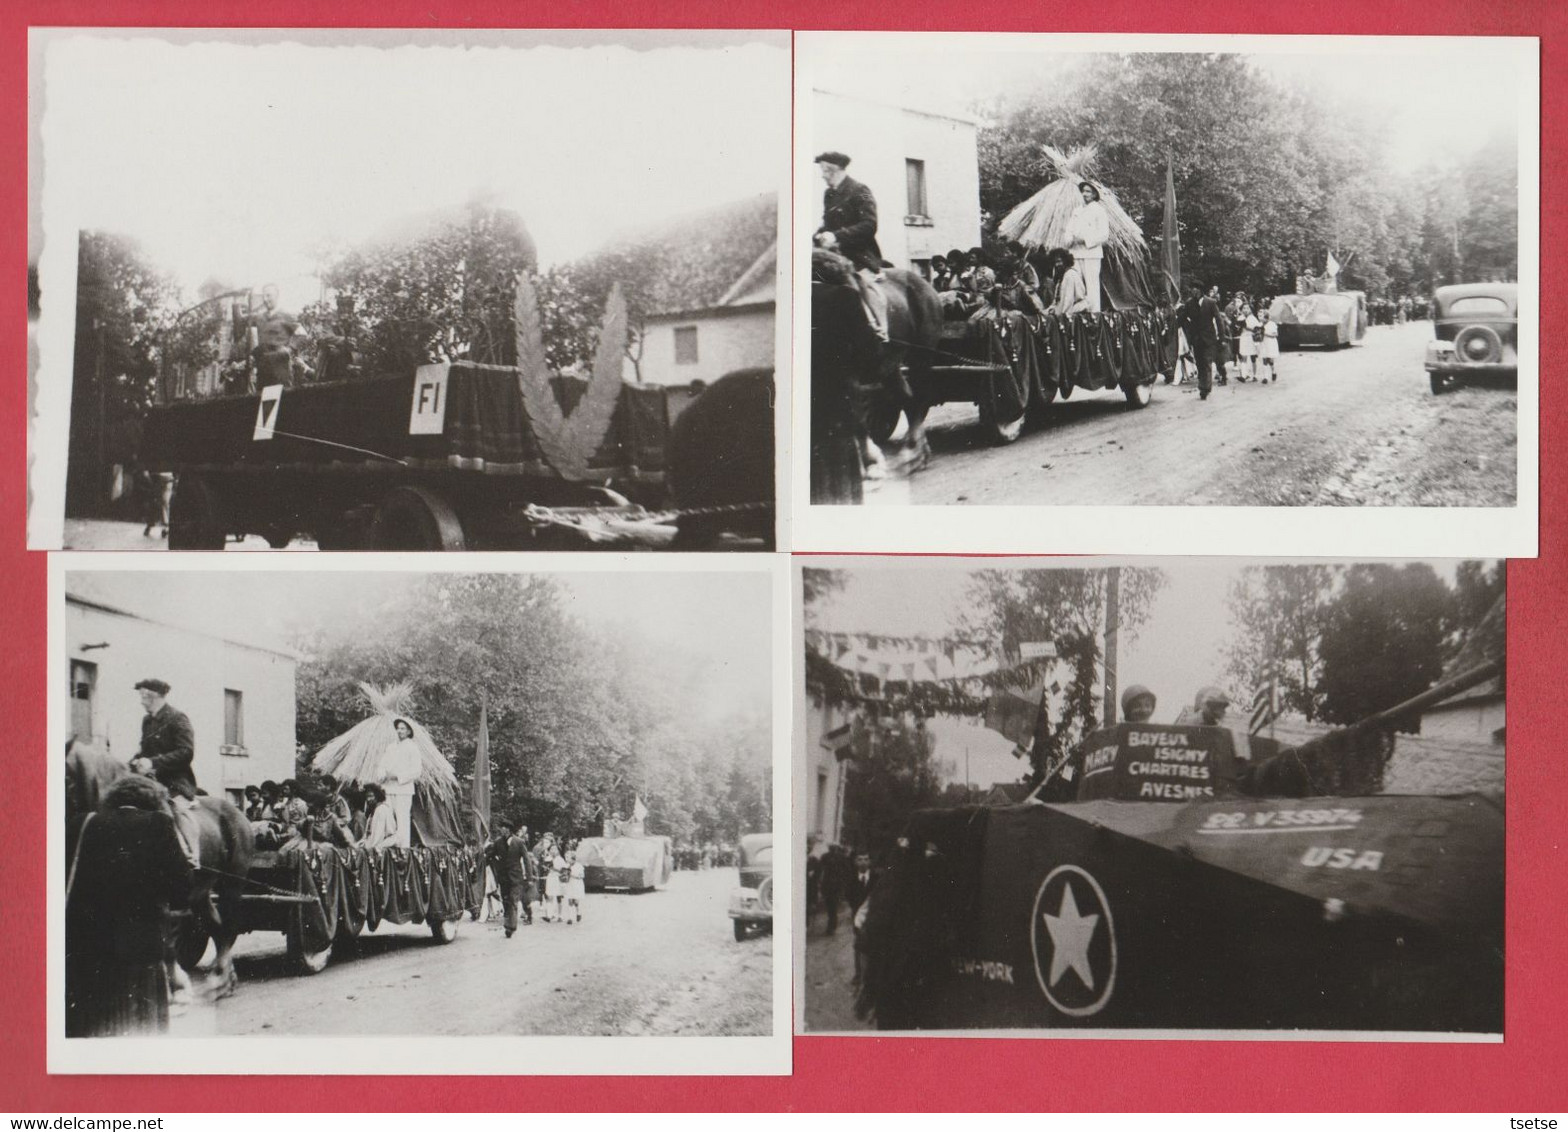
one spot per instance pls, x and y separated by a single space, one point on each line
1087 232
401 769
381 832
555 886
1247 344
1268 348
576 888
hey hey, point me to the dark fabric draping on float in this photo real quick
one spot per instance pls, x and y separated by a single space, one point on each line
1127 285
357 888
487 427
437 820
1052 355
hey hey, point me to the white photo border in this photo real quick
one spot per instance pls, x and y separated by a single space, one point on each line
1490 532
416 1055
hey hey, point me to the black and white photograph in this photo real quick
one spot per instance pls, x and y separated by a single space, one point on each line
1152 797
348 290
1294 276
308 808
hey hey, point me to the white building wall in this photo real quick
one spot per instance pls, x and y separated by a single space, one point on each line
879 139
825 776
1474 721
725 342
198 669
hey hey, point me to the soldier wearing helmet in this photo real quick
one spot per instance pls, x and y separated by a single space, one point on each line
1210 705
1138 704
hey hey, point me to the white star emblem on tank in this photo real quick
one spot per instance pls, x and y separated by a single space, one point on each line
1071 933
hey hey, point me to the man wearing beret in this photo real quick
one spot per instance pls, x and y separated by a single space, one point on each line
849 227
168 749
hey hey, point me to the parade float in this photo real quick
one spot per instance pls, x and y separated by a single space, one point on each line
626 858
1158 879
319 893
464 456
1013 364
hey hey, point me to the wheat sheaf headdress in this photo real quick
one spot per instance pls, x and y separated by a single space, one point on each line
356 755
1042 220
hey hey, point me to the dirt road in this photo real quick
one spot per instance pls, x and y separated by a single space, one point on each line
663 962
111 534
1349 427
830 967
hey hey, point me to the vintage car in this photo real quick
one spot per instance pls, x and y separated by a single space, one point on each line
1477 328
751 904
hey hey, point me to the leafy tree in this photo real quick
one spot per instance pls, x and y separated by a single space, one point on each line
1279 615
123 303
1474 628
894 776
1066 607
817 584
1268 176
1383 640
579 725
444 290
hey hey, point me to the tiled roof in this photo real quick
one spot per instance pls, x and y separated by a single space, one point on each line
715 257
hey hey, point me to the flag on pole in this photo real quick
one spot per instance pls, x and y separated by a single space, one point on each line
1264 707
639 811
481 793
1332 267
1170 241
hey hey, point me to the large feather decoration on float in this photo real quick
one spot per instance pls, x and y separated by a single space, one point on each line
356 755
1042 220
569 440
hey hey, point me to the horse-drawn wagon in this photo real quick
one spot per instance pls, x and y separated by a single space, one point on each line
1012 366
318 893
462 456
1013 363
323 895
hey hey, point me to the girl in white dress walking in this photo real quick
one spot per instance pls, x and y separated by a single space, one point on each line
1268 348
1247 344
576 888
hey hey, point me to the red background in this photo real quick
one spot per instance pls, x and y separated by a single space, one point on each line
1523 1074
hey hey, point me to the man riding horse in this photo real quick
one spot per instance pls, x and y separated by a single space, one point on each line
862 386
212 833
849 227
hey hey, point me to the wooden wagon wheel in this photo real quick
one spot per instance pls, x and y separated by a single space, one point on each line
416 518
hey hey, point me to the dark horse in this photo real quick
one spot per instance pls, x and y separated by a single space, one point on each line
863 383
721 462
226 848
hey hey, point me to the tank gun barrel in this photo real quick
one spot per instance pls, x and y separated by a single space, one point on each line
1433 695
1351 760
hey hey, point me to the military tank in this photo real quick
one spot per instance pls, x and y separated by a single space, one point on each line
1160 880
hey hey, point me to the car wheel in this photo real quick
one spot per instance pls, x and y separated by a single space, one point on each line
740 930
1441 383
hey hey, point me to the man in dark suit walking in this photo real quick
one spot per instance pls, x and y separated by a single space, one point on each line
861 883
513 866
1200 322
849 227
167 753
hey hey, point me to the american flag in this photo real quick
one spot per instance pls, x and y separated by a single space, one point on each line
1264 707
